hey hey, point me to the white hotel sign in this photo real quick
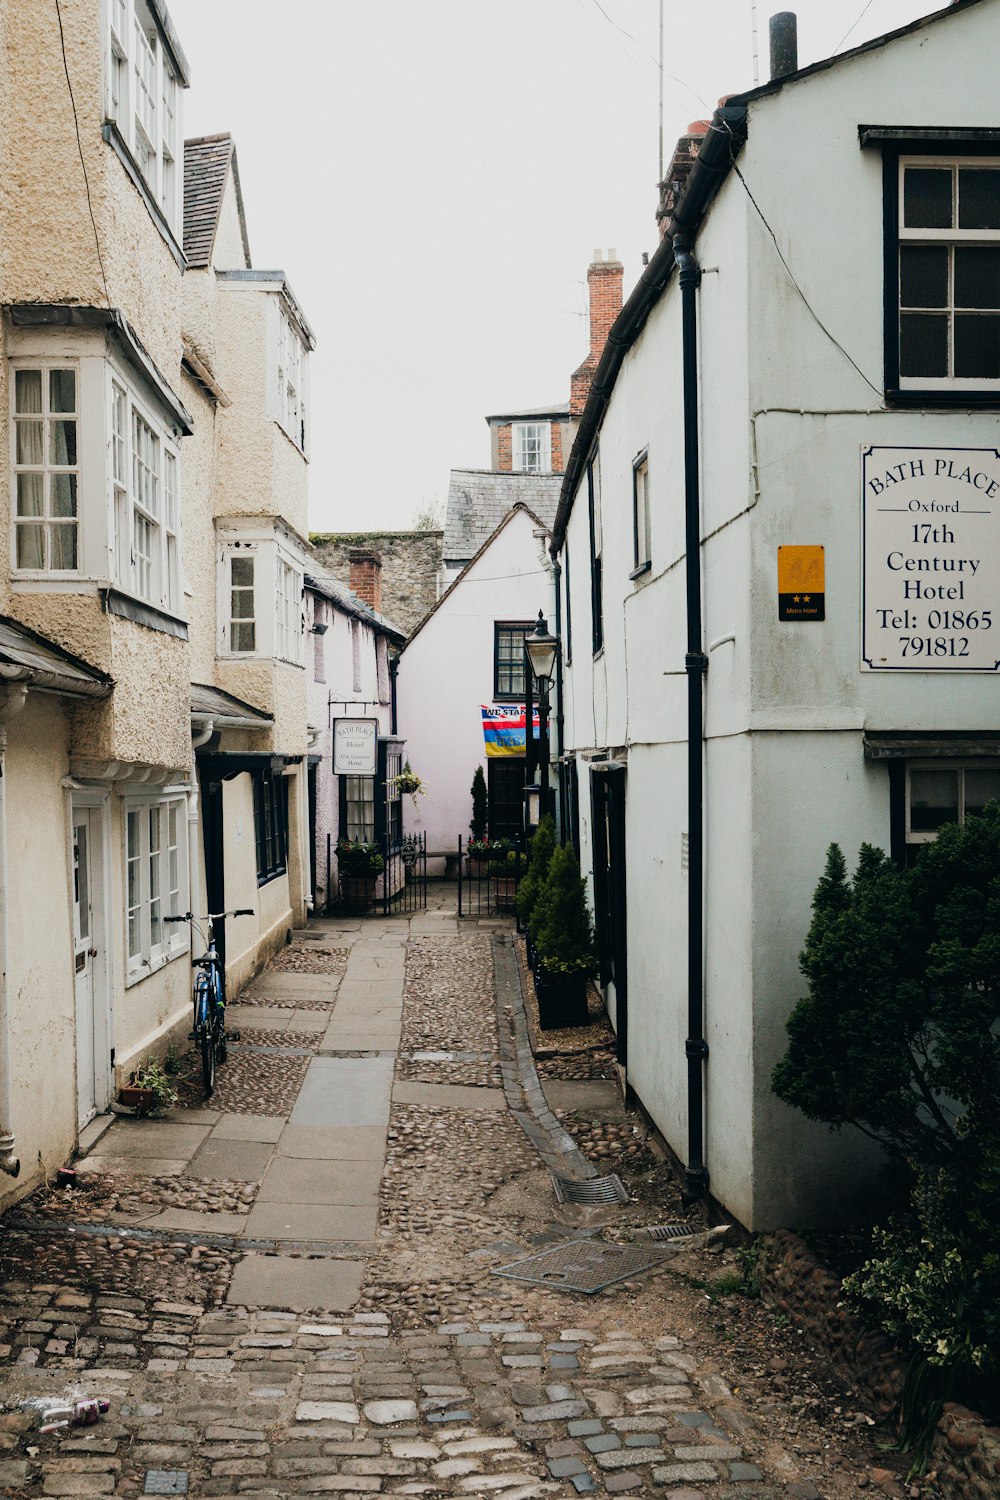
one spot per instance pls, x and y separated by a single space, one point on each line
931 560
355 747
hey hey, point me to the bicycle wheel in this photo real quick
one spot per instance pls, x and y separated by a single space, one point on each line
206 1040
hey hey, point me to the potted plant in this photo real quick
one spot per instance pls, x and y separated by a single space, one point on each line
505 866
480 809
409 784
149 1090
530 887
360 864
564 937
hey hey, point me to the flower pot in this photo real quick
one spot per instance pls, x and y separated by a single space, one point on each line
134 1096
504 890
562 999
357 893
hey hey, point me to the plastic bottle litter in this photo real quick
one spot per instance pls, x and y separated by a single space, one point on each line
52 1412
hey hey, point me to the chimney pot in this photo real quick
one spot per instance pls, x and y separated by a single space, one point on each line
784 43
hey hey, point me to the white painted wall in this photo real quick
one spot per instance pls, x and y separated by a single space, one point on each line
783 418
446 675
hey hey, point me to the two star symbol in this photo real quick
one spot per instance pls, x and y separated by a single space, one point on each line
801 598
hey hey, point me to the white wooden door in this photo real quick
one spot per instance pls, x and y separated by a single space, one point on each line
84 954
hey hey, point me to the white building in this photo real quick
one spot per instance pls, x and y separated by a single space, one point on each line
839 395
468 653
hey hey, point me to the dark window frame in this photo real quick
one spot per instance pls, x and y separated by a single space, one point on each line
642 547
270 819
523 627
892 153
568 606
596 552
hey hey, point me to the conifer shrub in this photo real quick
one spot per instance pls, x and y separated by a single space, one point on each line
530 886
480 806
561 925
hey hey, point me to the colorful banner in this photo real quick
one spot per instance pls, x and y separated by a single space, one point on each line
503 729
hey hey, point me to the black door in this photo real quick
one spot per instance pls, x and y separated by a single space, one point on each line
607 786
505 787
215 873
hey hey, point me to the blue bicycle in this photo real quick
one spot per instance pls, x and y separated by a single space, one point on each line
209 1030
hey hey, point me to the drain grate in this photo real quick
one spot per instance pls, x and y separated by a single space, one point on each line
590 1190
668 1231
582 1266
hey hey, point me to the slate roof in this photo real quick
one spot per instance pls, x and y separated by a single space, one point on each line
479 499
47 665
214 703
338 593
208 160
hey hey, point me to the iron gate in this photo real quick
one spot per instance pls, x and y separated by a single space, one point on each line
401 887
487 883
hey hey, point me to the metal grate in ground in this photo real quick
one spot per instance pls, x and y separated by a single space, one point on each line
591 1190
582 1266
669 1231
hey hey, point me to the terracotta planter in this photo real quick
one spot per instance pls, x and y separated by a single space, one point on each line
134 1096
562 999
504 891
357 893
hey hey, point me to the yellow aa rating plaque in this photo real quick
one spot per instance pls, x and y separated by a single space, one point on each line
801 583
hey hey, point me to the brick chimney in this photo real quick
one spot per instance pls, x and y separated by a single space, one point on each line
604 288
679 170
366 576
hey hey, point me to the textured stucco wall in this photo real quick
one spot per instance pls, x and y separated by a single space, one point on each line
45 200
198 469
40 965
411 563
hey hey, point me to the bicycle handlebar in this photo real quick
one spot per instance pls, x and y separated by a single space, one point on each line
242 911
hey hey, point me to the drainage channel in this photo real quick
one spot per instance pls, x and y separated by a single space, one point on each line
330 1249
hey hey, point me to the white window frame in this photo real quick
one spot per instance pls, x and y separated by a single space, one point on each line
156 881
950 239
143 99
531 447
288 621
292 381
144 497
960 767
46 469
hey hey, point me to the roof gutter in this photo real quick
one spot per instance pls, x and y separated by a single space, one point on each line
725 139
40 681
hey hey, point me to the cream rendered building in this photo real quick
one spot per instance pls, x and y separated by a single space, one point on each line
156 406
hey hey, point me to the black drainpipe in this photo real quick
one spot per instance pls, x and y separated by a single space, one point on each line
696 665
557 581
393 669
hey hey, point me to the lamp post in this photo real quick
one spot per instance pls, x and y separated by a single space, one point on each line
541 649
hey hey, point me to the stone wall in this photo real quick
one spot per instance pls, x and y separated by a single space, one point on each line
966 1450
411 562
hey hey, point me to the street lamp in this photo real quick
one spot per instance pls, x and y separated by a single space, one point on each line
541 649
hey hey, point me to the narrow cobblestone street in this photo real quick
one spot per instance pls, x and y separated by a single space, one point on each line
293 1291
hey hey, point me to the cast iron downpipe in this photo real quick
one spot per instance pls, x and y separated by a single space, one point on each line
696 665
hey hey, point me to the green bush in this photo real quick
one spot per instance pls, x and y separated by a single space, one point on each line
358 859
563 931
898 1034
479 806
540 853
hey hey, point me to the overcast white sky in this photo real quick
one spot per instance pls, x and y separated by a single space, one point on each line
434 176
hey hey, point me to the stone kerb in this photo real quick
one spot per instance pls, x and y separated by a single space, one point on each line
966 1450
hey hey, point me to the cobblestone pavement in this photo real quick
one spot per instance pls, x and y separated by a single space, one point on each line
435 1377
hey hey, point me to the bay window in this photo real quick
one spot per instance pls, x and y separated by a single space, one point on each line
113 520
291 409
155 881
143 100
260 600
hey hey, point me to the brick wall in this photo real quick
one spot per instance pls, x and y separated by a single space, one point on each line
505 459
679 170
410 564
604 287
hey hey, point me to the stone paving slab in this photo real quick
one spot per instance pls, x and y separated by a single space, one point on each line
285 982
287 1282
364 1143
139 1166
344 1091
153 1138
448 1096
297 1222
266 1128
231 1160
188 1219
273 1018
596 1098
289 1180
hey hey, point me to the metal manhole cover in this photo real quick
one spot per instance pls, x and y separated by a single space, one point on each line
668 1231
582 1266
590 1190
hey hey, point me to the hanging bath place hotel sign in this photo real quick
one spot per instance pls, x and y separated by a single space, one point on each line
931 560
